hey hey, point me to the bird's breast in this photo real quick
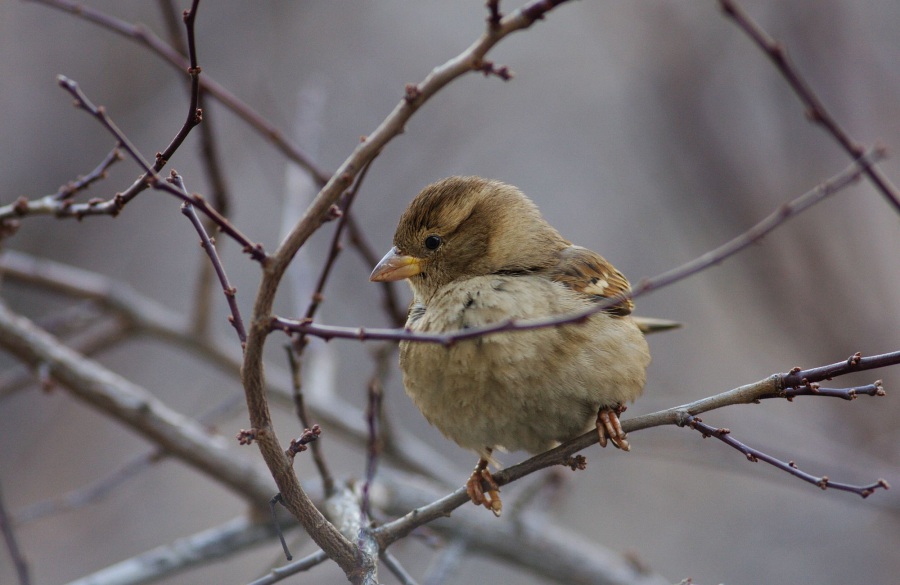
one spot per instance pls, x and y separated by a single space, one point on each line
518 390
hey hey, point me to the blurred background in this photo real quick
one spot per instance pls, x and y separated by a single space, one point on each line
650 131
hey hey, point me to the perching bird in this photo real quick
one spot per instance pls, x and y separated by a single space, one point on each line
477 252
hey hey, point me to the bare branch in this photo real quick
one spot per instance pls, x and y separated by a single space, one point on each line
394 566
770 387
209 247
89 494
303 415
395 311
754 455
334 251
151 178
815 109
12 544
326 536
215 543
298 566
145 315
140 34
131 405
447 563
644 286
531 544
71 188
212 165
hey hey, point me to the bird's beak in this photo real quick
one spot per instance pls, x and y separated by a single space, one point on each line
396 266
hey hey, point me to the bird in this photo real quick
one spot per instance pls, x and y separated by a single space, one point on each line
477 252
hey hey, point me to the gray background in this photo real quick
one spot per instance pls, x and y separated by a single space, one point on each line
649 131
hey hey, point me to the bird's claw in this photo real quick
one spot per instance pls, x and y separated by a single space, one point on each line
609 427
476 493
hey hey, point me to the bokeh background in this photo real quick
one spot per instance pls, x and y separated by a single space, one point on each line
650 131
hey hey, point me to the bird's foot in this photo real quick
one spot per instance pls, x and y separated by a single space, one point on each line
475 490
609 427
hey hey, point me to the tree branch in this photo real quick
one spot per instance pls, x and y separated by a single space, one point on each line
209 247
815 109
12 544
131 405
774 386
140 34
329 539
644 286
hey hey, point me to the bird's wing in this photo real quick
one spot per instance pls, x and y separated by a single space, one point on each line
590 274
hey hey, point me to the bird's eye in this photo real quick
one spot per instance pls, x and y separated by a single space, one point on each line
432 242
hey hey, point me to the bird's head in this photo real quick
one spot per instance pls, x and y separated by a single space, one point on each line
462 227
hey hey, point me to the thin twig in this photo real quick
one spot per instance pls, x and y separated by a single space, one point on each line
751 236
132 405
140 34
815 109
447 563
219 542
209 247
355 564
534 545
770 387
333 252
215 175
144 315
105 485
150 178
373 420
303 415
755 455
298 566
494 15
69 190
394 566
395 311
855 363
89 494
12 544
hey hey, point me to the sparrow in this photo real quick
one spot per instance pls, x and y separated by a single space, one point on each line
475 252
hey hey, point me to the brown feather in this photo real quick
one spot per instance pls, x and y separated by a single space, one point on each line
591 274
